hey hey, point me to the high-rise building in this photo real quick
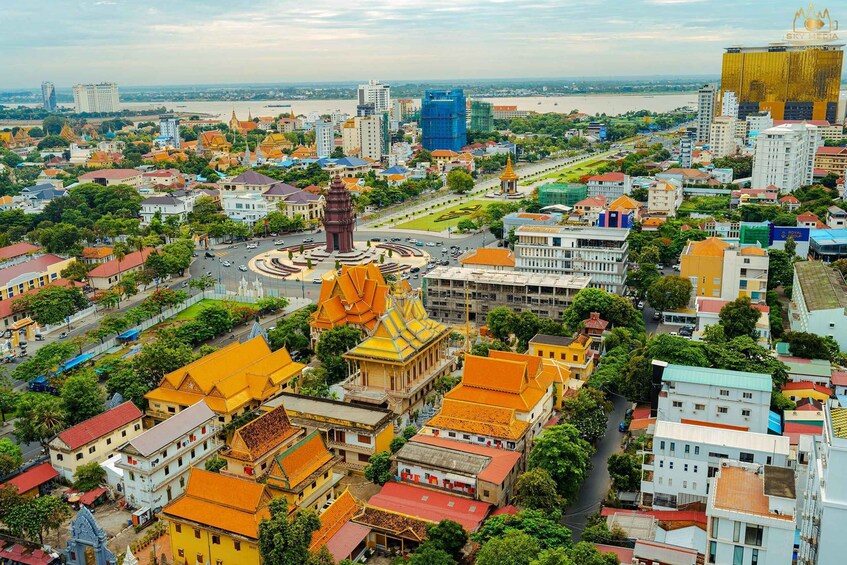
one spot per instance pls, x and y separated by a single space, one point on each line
791 81
686 150
722 136
729 104
169 129
443 120
48 96
370 137
377 94
324 139
482 116
367 109
785 156
96 98
705 111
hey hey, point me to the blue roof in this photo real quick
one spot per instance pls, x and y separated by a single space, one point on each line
351 162
774 423
829 236
395 170
718 377
67 365
129 334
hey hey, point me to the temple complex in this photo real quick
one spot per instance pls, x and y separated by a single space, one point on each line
357 297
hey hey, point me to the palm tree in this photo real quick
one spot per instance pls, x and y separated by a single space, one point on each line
119 251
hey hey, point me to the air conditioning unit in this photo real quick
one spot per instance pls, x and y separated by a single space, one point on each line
816 521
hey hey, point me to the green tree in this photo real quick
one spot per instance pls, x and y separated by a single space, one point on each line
82 397
642 278
332 345
466 225
600 533
409 432
587 413
459 181
378 469
448 536
202 283
89 476
561 452
525 326
396 444
34 517
126 382
669 293
158 358
536 489
808 345
9 498
739 318
215 464
625 471
52 142
780 268
585 553
11 456
39 417
322 557
514 548
501 321
8 402
427 554
51 304
75 271
283 541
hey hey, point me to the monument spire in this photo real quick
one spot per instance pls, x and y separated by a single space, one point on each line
339 219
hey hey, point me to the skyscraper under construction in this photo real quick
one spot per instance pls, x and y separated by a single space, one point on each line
791 81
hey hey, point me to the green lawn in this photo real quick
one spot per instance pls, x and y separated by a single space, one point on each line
191 312
429 223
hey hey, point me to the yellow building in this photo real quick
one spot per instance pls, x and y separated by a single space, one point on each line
212 143
274 145
791 81
395 367
233 380
249 453
34 273
575 352
217 520
718 269
303 474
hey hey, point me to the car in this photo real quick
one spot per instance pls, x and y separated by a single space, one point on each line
640 305
408 239
208 273
419 243
252 246
677 267
445 263
63 335
430 244
622 427
273 234
317 281
242 268
209 255
674 334
395 239
629 413
660 267
657 316
227 264
376 239
444 252
184 285
194 255
309 240
438 243
279 242
415 270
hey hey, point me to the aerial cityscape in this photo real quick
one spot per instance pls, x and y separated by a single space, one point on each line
440 283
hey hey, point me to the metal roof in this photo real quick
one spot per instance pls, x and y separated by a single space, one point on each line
171 429
718 377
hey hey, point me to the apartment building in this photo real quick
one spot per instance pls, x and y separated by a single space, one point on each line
832 159
819 301
706 102
664 197
785 156
718 269
452 293
598 253
156 463
722 136
609 185
96 98
699 395
684 457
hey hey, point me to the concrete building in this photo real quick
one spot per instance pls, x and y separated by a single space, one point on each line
451 293
684 457
729 104
785 156
751 512
376 93
96 98
245 207
110 177
824 507
169 130
718 269
444 120
598 253
686 151
706 97
609 185
175 204
664 197
48 96
819 301
107 274
156 463
722 136
488 259
95 439
324 139
698 395
370 140
574 352
32 273
832 160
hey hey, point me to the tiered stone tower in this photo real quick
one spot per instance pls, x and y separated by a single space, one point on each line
339 218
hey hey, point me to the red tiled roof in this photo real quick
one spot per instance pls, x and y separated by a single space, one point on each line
608 177
100 425
509 509
661 515
641 412
111 268
33 477
91 496
839 378
36 265
806 385
430 505
809 405
790 198
624 554
502 460
793 431
823 150
17 249
807 217
714 305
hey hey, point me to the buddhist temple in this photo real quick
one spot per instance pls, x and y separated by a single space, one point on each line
232 380
239 126
509 178
303 152
212 143
339 219
396 366
274 145
303 474
253 445
67 133
358 297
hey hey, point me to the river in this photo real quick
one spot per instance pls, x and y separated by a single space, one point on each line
611 104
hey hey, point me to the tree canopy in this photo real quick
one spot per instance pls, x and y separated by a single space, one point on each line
561 452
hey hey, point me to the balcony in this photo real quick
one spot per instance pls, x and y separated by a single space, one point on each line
368 449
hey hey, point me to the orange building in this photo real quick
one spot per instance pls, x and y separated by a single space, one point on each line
303 474
358 297
343 538
212 143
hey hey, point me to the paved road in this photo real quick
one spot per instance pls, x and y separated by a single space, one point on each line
596 486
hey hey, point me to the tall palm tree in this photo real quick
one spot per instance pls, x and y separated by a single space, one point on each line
119 251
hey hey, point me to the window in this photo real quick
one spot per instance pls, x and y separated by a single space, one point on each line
78 456
715 523
673 446
738 556
179 462
216 539
219 562
123 433
745 457
167 469
366 439
687 448
745 413
696 450
662 444
178 528
748 395
451 434
136 427
180 552
363 457
59 457
132 478
466 437
200 558
677 404
108 441
92 449
661 463
695 468
736 531
699 406
723 410
754 559
684 484
753 535
685 467
724 392
237 545
670 464
196 533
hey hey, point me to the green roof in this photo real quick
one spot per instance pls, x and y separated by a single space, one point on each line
823 287
812 367
718 377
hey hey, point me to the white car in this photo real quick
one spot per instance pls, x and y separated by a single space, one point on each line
430 244
279 242
252 246
226 264
242 268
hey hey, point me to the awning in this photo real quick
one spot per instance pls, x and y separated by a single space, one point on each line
343 543
91 496
68 365
774 423
130 335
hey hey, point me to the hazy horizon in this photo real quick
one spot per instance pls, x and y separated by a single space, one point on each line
210 42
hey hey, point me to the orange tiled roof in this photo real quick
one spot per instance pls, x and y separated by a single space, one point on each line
395 523
255 439
711 246
501 382
333 518
624 202
753 250
480 419
298 462
358 296
652 222
742 490
490 256
221 502
96 252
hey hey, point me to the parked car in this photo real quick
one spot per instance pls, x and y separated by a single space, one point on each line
415 270
676 267
419 243
622 427
242 268
317 281
63 335
279 242
657 316
208 273
430 244
640 305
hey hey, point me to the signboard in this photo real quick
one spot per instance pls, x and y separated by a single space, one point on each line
811 26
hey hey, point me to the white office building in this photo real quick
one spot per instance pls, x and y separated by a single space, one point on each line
96 98
686 151
750 515
705 111
824 510
685 456
599 253
729 104
703 395
377 94
179 204
785 156
722 137
324 139
169 129
819 301
370 137
156 463
245 207
610 185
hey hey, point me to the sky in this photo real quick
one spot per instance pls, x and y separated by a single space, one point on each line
156 42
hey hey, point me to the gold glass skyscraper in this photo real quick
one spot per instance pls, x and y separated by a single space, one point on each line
792 82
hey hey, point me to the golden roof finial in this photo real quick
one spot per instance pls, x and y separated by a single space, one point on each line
509 173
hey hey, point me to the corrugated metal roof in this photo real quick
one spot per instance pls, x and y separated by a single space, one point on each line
718 377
